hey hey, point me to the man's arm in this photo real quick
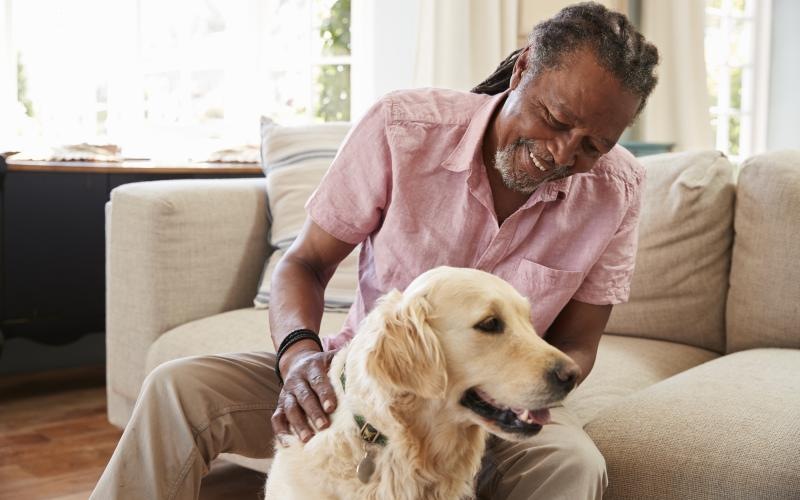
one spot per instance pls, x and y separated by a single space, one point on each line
299 282
297 301
577 331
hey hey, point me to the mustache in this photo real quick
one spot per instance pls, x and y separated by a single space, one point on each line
538 149
541 152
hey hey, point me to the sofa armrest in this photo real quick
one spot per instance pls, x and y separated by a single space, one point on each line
177 251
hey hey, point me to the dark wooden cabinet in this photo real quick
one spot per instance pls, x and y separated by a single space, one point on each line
52 256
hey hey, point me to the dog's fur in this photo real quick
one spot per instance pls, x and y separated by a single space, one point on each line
413 359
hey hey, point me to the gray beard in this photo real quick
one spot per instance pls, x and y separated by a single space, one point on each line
518 179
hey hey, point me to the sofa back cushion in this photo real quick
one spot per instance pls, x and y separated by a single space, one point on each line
685 234
294 160
764 297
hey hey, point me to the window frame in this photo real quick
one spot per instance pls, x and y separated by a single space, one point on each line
753 108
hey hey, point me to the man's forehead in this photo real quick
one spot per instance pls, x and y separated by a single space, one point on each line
590 93
565 111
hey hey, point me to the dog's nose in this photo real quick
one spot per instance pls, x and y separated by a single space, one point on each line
564 375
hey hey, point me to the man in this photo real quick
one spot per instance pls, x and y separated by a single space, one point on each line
527 184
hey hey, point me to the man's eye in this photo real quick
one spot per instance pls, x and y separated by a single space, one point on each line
591 149
551 120
491 324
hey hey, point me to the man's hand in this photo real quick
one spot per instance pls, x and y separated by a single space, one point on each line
577 331
307 392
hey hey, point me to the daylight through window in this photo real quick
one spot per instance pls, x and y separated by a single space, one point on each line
176 79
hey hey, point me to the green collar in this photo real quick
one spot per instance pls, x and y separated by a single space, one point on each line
368 433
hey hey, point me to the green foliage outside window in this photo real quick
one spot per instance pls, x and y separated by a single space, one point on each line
333 87
335 30
333 80
22 87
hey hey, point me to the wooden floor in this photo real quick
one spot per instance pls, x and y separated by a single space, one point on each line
55 440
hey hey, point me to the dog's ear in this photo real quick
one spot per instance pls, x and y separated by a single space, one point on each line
407 354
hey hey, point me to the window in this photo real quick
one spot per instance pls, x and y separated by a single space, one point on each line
176 79
737 55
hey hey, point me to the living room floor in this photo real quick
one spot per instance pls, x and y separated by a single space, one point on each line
55 440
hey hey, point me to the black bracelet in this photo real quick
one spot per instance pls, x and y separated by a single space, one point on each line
293 337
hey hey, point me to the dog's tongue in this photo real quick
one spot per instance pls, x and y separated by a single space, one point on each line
540 417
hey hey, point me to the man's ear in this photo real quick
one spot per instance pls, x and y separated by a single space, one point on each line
520 66
407 355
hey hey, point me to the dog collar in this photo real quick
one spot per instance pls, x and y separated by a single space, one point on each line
368 433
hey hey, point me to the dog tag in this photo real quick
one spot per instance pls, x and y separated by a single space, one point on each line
365 468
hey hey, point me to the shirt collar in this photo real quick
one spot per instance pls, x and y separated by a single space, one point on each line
556 190
468 149
468 152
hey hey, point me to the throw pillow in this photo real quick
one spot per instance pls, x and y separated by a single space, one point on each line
294 160
764 298
685 234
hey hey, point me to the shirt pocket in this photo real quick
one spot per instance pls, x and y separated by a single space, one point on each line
548 290
538 275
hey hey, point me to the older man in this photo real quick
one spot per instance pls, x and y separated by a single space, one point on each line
527 184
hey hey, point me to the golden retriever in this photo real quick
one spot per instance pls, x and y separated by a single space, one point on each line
433 369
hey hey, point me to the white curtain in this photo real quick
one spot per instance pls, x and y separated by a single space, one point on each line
678 110
460 42
384 43
9 108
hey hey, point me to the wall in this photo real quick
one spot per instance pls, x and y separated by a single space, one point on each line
783 130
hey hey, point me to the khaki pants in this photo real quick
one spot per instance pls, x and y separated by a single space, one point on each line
192 409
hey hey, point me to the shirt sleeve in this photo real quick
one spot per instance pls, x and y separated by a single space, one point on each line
609 280
351 198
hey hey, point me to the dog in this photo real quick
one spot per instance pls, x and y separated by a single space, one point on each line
431 371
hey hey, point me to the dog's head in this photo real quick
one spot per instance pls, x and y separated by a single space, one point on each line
464 337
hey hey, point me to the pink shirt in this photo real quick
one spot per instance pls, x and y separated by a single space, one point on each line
410 183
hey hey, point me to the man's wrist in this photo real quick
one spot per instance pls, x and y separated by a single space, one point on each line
305 346
301 335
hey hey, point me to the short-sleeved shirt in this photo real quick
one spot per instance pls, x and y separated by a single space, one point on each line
409 184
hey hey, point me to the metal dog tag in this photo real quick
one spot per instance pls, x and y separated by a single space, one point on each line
365 467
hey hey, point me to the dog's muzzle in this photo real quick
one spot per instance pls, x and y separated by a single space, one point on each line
511 420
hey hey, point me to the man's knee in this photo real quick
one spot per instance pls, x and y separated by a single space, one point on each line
567 465
576 469
581 458
174 373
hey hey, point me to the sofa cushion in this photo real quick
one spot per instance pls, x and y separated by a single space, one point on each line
680 281
728 428
764 296
294 160
625 365
240 330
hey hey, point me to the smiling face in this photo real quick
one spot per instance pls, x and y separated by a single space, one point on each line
557 123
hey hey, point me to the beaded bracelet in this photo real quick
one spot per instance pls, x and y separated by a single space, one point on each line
293 337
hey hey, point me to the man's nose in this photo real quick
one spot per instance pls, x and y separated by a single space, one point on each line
564 148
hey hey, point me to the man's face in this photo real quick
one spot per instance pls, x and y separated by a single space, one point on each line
560 122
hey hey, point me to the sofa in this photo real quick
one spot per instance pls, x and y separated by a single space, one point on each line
695 393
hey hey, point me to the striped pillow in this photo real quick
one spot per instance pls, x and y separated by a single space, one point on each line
294 160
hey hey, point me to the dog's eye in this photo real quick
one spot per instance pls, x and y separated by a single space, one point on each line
490 325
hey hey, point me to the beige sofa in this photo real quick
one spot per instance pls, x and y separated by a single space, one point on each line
696 389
